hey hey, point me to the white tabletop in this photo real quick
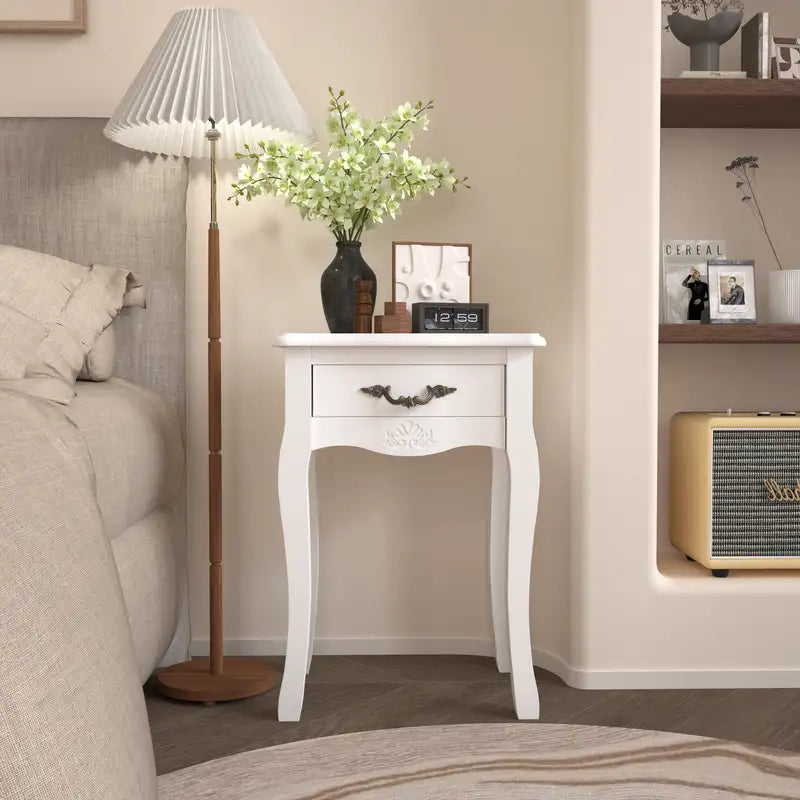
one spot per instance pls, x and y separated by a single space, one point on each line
411 340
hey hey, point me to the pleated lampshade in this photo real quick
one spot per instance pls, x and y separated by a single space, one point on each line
208 63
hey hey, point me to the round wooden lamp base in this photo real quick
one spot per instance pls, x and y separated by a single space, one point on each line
193 681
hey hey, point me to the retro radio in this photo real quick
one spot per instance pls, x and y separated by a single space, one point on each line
735 490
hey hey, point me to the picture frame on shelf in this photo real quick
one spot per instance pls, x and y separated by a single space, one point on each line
43 16
786 58
732 290
434 272
685 297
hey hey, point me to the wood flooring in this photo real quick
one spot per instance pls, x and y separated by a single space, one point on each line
357 693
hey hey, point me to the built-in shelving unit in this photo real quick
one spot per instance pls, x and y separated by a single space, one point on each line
729 334
723 103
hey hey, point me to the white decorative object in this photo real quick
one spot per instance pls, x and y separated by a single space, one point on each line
783 296
209 62
786 61
492 406
431 272
697 74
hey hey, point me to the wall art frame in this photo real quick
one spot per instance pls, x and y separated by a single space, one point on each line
439 272
57 16
786 58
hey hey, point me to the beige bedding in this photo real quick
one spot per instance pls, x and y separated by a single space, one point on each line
135 446
63 623
123 445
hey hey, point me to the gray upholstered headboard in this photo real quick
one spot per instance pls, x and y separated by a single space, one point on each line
67 190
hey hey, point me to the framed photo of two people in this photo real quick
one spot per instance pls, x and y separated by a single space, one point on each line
700 285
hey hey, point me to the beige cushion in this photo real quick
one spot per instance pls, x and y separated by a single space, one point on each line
135 445
102 358
73 722
74 303
101 361
135 293
20 336
148 573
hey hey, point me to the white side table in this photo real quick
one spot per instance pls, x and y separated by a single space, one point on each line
427 393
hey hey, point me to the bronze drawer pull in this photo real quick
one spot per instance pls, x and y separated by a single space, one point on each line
408 402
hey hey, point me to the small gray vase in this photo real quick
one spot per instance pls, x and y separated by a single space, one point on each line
704 37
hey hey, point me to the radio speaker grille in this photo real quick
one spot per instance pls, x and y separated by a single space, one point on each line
745 523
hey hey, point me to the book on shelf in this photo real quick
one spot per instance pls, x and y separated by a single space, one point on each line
716 74
757 47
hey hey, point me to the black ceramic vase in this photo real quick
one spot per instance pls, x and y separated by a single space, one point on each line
338 286
704 37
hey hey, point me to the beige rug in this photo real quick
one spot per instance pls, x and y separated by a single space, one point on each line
495 762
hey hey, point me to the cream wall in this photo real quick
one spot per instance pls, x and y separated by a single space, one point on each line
403 540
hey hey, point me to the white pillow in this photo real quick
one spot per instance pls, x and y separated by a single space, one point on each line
74 303
135 292
101 362
102 359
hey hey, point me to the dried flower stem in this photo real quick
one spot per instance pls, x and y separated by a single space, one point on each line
744 169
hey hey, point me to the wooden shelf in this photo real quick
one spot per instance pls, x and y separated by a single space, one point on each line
729 334
723 103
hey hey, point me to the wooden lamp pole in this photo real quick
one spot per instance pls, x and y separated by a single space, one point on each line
214 421
214 679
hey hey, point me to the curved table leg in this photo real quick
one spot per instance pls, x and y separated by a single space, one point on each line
523 504
312 499
293 493
498 557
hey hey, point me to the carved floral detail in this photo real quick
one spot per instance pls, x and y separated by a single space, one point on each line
409 436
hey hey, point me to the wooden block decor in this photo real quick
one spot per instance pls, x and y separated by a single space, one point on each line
395 319
362 323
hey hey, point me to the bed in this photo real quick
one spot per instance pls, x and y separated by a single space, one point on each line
67 191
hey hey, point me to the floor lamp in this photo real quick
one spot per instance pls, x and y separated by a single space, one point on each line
209 86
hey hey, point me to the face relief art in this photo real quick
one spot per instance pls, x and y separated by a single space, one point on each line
432 273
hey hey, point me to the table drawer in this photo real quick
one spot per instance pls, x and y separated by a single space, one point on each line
479 390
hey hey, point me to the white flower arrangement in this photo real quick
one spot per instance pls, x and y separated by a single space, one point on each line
368 173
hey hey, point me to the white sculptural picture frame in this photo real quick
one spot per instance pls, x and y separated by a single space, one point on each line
431 272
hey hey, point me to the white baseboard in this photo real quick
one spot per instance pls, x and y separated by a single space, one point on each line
683 679
578 678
